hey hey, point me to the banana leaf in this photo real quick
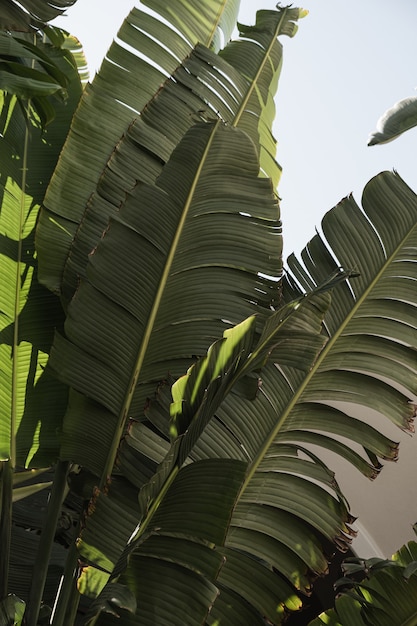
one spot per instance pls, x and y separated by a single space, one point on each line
233 233
31 403
146 51
26 15
29 313
204 155
179 554
385 595
258 57
399 118
202 86
289 497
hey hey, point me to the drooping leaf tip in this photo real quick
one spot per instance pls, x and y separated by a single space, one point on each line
376 138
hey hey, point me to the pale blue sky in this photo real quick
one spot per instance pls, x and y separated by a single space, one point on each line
349 61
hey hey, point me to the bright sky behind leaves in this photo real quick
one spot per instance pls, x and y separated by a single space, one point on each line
348 63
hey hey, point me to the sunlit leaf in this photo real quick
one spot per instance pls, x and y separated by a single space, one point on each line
395 121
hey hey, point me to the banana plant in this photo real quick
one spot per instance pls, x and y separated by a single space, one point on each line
291 406
34 121
265 525
292 411
198 84
266 52
376 591
222 13
215 510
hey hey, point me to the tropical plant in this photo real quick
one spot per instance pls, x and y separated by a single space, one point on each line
188 486
30 15
396 120
376 591
41 76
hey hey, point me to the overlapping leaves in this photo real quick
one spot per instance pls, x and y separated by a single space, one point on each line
295 410
147 50
385 594
199 83
166 501
28 313
152 299
209 251
26 15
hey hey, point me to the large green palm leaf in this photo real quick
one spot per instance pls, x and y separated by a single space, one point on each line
371 318
206 84
164 502
29 314
139 157
372 333
258 56
157 334
371 328
177 552
281 504
146 51
31 403
209 250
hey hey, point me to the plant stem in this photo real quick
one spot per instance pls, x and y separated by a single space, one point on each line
67 588
72 606
46 543
6 490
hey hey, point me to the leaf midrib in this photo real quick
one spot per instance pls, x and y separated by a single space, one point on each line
297 395
108 466
260 68
216 22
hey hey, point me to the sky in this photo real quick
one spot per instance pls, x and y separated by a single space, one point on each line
348 63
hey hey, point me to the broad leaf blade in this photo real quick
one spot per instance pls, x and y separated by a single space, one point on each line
26 15
29 314
118 93
395 121
258 57
204 85
386 594
375 322
304 401
147 145
178 545
207 156
222 273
